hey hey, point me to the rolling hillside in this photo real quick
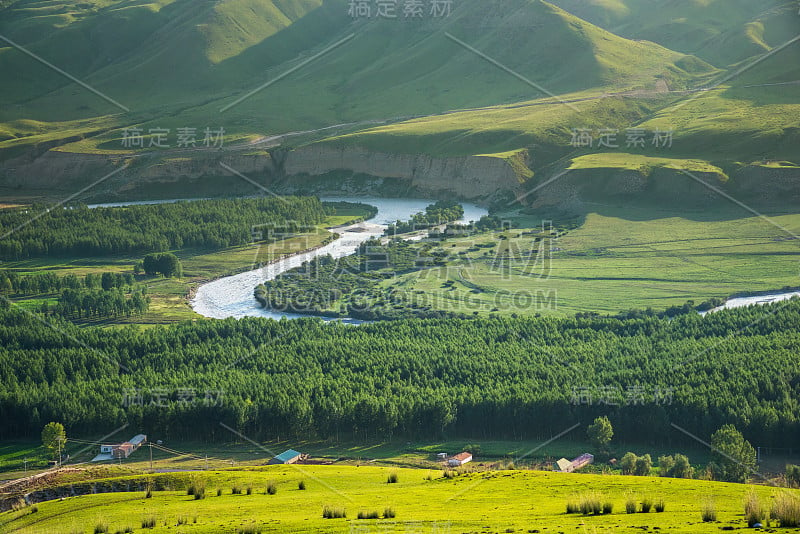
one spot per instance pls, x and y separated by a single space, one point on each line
493 77
421 501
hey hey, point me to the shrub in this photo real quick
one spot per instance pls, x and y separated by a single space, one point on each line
149 521
198 488
101 527
392 478
449 473
34 509
608 507
236 490
388 513
301 485
660 506
182 520
249 490
628 463
149 493
793 475
630 505
249 529
666 466
709 511
473 448
682 467
219 492
647 504
330 512
369 515
753 511
643 466
573 505
786 509
590 504
272 488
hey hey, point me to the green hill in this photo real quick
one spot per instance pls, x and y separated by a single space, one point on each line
420 500
722 32
490 78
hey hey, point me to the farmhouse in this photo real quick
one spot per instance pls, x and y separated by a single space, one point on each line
287 457
459 459
565 466
120 450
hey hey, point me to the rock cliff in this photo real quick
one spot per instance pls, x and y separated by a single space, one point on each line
469 177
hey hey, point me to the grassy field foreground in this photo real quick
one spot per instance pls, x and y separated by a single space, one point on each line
423 501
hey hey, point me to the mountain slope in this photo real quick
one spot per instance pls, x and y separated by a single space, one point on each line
721 32
491 78
175 57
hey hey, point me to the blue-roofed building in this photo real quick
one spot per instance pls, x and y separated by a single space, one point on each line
286 457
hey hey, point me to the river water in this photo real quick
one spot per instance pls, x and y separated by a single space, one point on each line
232 296
741 302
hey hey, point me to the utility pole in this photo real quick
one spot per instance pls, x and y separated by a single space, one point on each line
206 462
25 460
58 464
151 456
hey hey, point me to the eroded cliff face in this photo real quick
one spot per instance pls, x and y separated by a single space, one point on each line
767 184
152 175
469 177
576 188
57 171
324 169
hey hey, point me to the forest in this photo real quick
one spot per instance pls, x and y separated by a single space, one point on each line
93 296
350 286
76 230
486 377
12 283
441 212
100 303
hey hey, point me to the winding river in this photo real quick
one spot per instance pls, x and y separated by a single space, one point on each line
232 296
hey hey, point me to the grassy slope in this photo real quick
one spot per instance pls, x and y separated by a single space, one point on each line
743 120
501 501
175 64
721 32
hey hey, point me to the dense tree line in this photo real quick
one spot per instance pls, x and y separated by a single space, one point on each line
100 303
12 283
81 231
483 377
351 286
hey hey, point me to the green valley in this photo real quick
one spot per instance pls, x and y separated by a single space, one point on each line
446 266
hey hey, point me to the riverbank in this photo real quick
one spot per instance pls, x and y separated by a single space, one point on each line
233 296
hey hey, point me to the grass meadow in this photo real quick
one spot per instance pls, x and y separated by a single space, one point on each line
421 500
